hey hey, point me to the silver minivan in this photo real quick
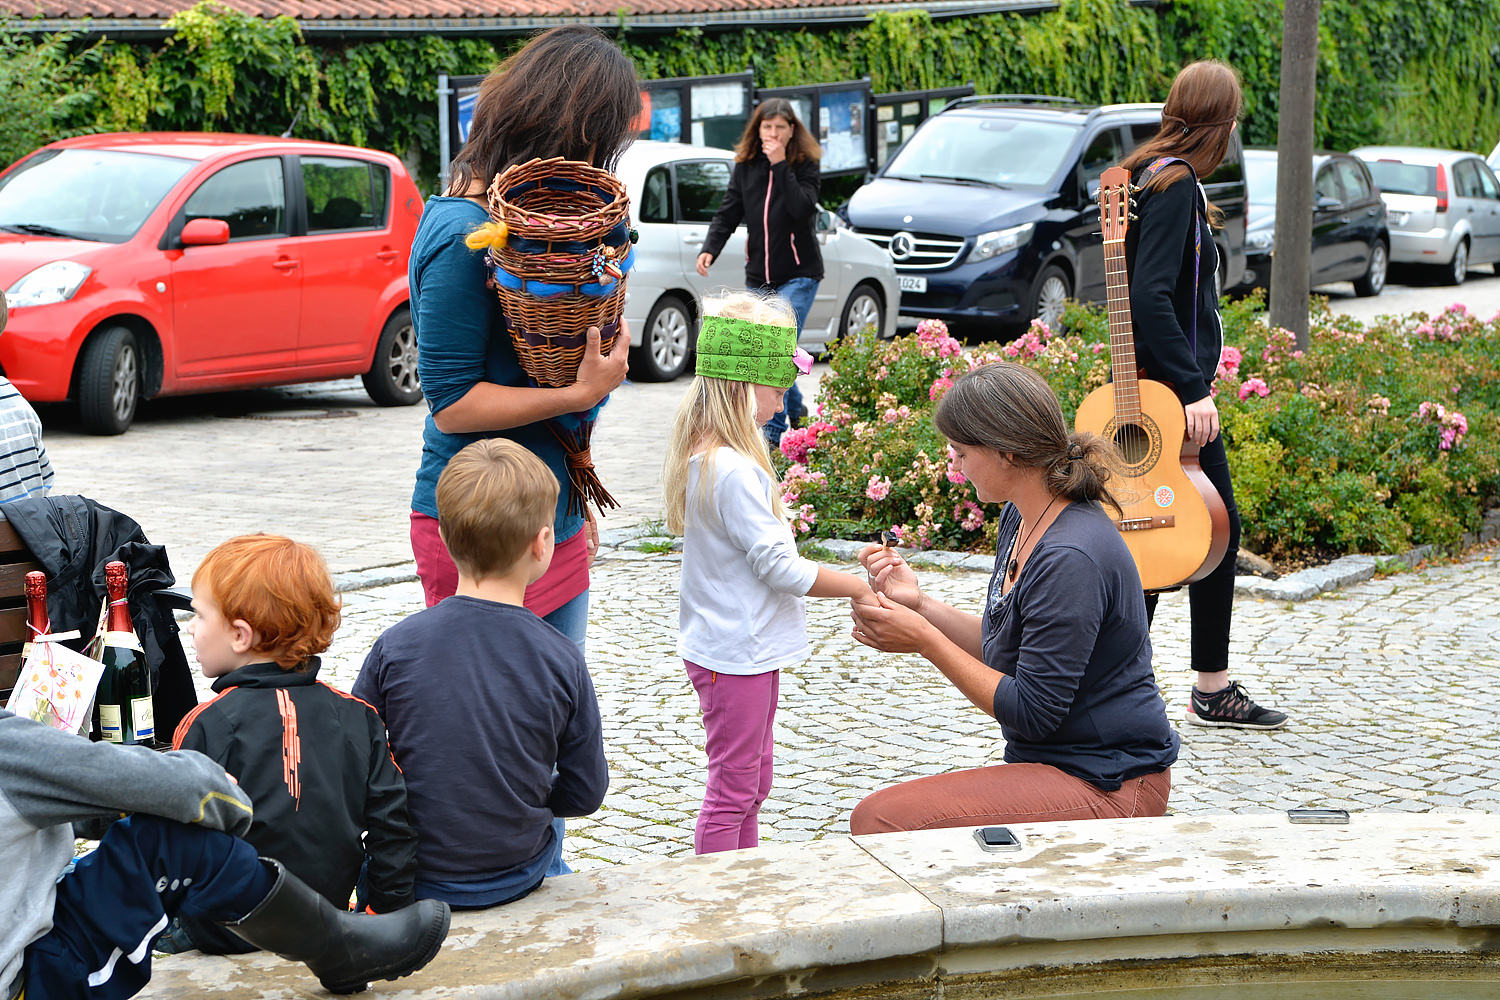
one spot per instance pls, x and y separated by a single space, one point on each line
1442 207
675 189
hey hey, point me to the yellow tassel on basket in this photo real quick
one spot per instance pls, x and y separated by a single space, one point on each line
489 235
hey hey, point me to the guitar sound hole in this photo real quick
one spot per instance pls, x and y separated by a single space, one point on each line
1133 442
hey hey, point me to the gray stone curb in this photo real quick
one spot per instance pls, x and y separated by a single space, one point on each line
375 576
1302 585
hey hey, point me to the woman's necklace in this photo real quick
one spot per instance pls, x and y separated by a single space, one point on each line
1014 567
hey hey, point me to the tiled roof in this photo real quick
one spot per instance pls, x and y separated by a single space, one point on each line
316 11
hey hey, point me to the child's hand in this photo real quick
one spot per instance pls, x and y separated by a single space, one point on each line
866 598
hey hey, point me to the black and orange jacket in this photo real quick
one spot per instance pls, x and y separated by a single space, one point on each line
315 762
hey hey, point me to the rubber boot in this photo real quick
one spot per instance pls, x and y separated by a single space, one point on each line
344 950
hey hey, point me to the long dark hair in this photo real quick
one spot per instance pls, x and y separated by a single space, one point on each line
1011 409
569 92
1196 123
800 147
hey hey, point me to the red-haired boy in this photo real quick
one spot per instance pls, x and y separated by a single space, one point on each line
328 796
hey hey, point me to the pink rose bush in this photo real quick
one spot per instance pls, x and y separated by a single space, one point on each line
1372 438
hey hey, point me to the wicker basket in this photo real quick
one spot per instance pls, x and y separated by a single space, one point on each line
561 267
560 245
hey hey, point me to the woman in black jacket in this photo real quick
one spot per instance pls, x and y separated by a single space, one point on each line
774 191
1174 298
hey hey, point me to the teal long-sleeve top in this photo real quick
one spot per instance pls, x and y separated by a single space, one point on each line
461 341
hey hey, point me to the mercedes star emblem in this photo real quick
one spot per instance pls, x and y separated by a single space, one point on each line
902 245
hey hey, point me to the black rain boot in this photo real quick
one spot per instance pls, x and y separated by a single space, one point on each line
344 950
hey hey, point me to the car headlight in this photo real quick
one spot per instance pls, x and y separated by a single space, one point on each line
1261 239
987 245
58 281
1397 218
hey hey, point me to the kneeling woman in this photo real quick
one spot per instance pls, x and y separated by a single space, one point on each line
1061 656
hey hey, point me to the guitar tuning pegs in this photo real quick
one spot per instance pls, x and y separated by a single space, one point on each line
1134 217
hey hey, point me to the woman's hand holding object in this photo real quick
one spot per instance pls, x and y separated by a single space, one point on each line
891 575
891 627
599 374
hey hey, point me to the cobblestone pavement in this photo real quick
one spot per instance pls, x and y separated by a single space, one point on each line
1387 683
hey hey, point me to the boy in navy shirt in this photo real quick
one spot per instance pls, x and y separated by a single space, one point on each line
490 710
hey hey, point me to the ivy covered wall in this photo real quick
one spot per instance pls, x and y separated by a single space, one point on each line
1407 71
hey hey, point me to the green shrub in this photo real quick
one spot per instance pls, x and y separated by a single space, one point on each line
1377 438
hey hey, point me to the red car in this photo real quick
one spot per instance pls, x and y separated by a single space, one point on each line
151 264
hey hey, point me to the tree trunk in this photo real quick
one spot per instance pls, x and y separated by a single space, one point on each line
1291 267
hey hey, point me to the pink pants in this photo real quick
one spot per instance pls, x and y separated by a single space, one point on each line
738 715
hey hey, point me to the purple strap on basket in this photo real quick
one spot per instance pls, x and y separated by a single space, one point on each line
1151 171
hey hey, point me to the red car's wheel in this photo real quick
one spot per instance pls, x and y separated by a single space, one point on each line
109 381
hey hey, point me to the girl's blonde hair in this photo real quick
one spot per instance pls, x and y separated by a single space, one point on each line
719 413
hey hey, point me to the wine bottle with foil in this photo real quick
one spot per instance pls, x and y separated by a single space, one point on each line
122 710
37 620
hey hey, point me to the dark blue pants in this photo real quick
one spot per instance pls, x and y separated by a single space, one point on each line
800 292
119 899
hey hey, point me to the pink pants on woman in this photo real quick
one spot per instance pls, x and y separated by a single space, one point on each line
739 712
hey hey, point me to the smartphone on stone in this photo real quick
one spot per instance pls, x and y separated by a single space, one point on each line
997 838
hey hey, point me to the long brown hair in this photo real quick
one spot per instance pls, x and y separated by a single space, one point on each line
1196 123
569 92
802 146
1011 409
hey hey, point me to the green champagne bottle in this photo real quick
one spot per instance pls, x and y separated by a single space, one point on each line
122 710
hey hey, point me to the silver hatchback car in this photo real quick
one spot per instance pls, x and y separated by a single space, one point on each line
1442 207
675 189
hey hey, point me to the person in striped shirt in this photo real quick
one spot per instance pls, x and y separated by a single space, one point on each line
24 468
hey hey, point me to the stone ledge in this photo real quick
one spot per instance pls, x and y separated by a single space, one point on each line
777 920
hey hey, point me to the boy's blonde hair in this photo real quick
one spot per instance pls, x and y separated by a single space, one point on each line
492 499
719 413
281 588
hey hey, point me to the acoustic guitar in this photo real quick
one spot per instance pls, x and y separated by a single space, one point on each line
1174 522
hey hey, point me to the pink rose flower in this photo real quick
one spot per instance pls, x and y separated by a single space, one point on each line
1254 387
878 488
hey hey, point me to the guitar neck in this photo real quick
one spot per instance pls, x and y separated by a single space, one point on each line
1121 332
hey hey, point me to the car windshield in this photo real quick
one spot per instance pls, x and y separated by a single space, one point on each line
1260 178
1003 152
87 194
1394 177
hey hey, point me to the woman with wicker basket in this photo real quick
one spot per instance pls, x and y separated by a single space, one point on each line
774 191
569 93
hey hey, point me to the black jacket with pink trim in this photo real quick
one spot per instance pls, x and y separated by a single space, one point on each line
779 206
315 762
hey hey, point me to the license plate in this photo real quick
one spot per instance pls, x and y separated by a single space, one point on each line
913 284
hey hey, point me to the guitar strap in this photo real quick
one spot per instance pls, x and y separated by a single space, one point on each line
1151 171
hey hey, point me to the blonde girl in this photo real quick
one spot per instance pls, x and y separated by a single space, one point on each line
740 605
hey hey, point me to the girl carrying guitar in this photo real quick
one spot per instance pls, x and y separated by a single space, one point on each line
1174 295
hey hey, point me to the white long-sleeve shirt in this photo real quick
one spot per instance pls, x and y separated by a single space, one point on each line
740 602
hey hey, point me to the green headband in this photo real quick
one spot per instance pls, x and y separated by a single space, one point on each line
741 351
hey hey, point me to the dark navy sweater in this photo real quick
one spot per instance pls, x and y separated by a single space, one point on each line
1072 639
482 700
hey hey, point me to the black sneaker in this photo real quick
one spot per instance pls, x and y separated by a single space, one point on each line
1231 708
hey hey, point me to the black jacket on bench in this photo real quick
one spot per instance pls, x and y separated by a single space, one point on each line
72 537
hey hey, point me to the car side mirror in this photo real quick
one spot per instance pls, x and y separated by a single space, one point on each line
1327 204
205 233
827 224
